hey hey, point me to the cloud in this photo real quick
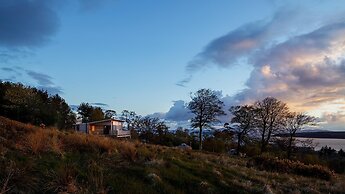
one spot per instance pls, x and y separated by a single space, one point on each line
178 112
29 77
229 49
51 89
27 23
159 115
45 82
309 67
42 79
333 121
183 82
8 69
100 104
306 69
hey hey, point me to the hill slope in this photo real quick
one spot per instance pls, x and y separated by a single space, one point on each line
35 160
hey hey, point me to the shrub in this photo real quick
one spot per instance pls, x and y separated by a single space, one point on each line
338 165
288 166
251 150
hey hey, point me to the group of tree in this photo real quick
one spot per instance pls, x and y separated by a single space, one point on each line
31 105
265 118
89 113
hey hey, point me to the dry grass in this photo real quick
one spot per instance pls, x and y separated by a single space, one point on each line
62 180
36 141
13 130
94 164
127 150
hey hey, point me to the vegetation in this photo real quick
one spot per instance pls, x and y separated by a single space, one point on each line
206 106
66 161
243 118
288 166
293 123
36 160
31 105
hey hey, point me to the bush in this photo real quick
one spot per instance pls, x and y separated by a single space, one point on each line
338 165
251 150
288 166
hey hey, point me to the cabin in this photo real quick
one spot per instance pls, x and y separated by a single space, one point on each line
108 127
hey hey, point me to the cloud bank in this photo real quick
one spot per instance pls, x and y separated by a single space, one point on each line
40 80
27 23
305 70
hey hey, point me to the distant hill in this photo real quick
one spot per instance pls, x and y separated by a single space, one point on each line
320 134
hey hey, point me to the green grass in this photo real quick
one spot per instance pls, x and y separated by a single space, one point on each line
77 163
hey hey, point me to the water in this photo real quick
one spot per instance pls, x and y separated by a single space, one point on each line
336 144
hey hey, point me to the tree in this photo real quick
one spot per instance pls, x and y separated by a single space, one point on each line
129 117
295 122
109 114
65 117
269 119
97 114
85 110
148 127
206 106
243 122
90 113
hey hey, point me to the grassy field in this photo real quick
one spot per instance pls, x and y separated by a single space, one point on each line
35 160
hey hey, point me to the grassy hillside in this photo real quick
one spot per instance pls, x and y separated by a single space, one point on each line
35 160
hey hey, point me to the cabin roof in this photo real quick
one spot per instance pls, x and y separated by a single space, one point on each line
106 120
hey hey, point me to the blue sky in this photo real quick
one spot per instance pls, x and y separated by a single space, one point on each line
135 54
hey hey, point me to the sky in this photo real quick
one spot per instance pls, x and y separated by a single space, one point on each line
148 56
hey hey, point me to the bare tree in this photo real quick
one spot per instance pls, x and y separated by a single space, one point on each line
295 122
206 106
269 118
243 122
108 114
129 117
150 126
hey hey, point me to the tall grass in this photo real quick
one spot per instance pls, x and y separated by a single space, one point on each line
35 160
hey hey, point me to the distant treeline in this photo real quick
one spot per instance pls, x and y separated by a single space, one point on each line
31 105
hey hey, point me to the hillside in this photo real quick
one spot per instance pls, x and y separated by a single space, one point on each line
35 160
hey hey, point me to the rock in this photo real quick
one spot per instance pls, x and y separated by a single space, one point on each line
268 189
184 146
154 178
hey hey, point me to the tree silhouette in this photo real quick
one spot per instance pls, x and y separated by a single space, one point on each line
85 110
293 123
243 122
206 106
109 114
269 118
